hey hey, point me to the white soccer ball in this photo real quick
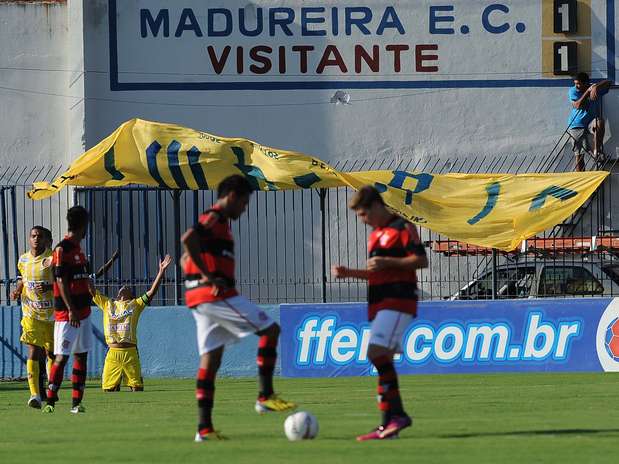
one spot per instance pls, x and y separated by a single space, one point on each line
301 426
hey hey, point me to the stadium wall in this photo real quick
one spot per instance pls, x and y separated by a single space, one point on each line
167 345
34 55
485 91
328 340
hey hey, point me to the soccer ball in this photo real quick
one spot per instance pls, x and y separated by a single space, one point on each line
301 426
612 339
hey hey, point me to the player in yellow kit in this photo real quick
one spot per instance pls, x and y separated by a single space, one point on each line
120 323
34 288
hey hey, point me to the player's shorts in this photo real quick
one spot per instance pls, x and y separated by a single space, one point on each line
69 339
582 140
38 333
222 322
122 363
387 329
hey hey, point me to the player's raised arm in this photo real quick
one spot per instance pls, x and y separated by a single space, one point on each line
163 265
103 269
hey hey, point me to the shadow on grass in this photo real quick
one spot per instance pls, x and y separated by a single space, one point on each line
531 433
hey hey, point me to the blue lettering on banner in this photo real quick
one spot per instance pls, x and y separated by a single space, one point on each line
454 337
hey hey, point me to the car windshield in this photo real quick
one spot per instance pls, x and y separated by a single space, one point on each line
568 280
513 282
612 272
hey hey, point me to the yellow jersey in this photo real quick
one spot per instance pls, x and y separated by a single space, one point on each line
35 270
120 318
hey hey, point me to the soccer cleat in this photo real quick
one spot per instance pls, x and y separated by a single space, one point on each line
273 404
78 409
35 402
376 434
48 409
211 435
394 426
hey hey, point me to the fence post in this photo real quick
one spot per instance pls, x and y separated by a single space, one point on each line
323 239
14 217
119 233
494 276
5 245
176 199
146 235
160 238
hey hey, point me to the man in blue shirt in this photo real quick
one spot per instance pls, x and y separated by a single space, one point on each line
585 99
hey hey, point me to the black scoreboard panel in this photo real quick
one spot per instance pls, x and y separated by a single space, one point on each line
565 58
566 37
565 18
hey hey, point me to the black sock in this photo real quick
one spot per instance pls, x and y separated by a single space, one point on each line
205 393
267 356
42 378
389 400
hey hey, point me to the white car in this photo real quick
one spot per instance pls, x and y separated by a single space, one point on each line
546 279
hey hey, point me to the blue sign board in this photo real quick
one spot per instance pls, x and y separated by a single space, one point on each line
561 335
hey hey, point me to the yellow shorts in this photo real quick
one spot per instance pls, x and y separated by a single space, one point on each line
38 333
119 363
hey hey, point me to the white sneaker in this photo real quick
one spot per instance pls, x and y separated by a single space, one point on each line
78 409
35 402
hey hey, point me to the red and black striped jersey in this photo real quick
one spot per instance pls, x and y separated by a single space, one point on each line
70 264
217 254
393 288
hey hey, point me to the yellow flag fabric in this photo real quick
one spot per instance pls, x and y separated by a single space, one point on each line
491 210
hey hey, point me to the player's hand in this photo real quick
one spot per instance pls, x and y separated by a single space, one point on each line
165 262
339 272
39 287
378 263
73 319
593 92
15 294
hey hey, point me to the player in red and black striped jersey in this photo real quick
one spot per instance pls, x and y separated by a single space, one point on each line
395 253
222 315
72 301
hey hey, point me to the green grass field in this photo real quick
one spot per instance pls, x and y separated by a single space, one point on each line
521 418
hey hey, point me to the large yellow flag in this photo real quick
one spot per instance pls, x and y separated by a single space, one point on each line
491 210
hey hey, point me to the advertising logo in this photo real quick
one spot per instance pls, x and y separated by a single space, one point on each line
607 339
323 340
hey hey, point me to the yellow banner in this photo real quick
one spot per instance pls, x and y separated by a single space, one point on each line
491 210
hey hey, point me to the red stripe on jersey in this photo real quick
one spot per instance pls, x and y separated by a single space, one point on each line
217 254
70 263
393 288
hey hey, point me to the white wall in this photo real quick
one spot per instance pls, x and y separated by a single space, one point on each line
33 64
49 59
383 123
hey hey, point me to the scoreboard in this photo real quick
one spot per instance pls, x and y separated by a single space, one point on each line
566 37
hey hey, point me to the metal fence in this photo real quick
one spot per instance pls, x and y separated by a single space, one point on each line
288 240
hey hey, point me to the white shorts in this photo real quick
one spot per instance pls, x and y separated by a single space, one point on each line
69 339
387 329
222 322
